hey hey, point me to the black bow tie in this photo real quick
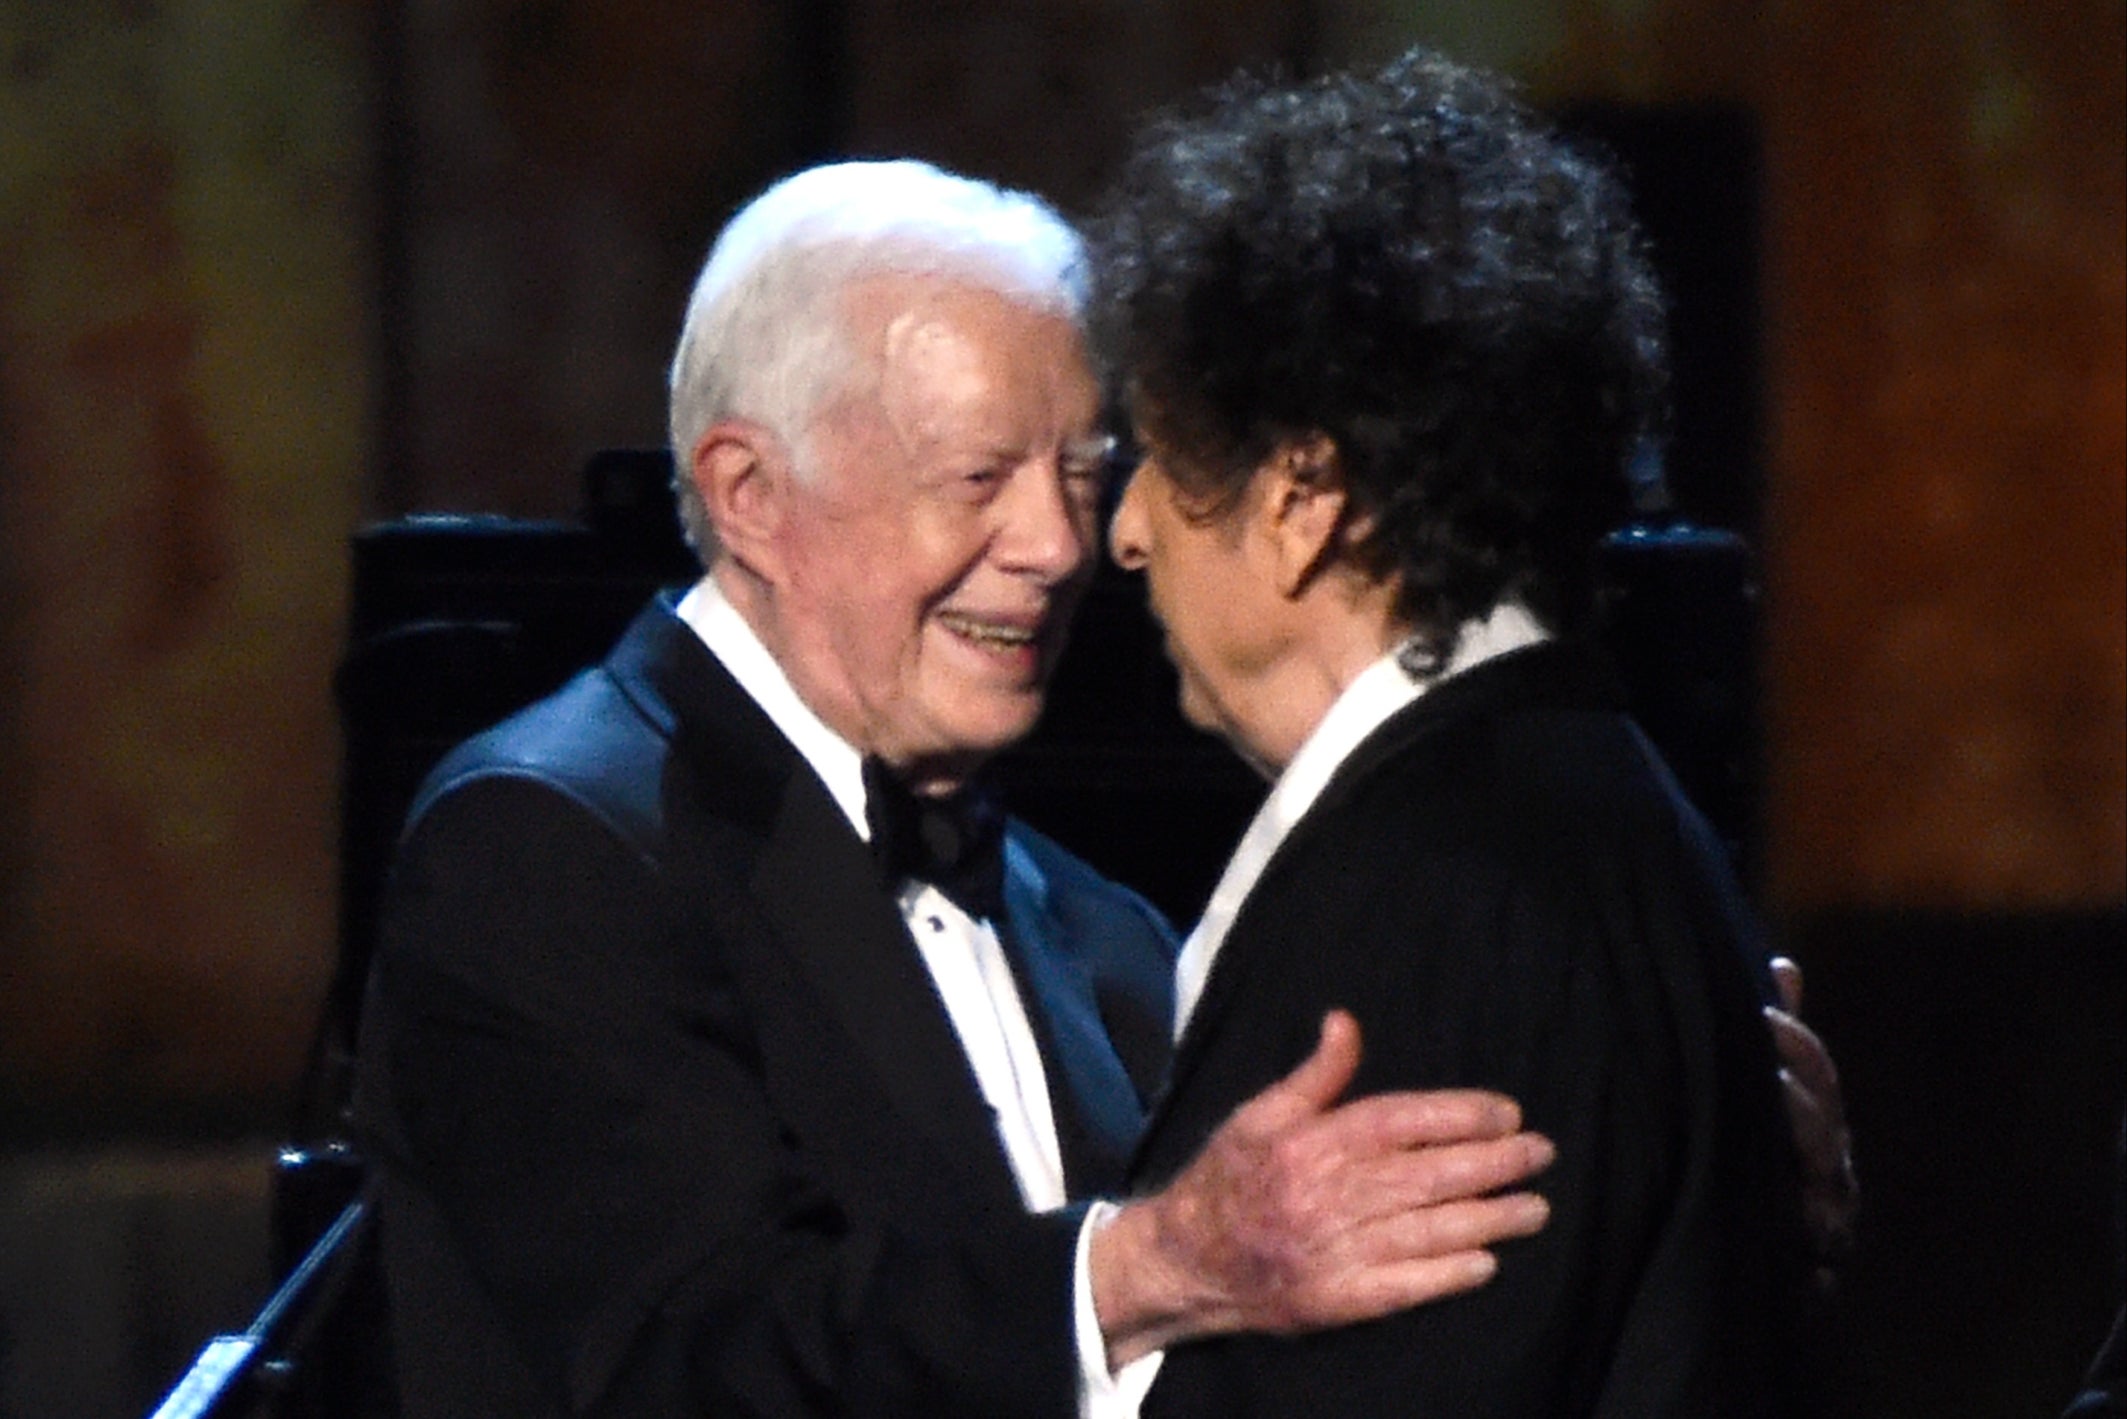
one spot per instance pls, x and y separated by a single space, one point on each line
955 843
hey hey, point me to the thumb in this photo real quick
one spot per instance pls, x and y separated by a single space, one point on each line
1317 1081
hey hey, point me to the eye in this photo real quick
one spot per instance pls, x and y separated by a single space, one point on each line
1089 466
1086 485
1086 472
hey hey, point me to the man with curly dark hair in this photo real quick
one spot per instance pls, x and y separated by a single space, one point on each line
1390 347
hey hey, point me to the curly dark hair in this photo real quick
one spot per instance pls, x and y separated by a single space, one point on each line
1418 266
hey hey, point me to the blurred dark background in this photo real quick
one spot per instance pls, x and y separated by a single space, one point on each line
277 276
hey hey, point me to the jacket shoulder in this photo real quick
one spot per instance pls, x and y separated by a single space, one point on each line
587 742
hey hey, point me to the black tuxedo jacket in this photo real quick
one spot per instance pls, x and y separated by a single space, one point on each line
668 1117
1506 889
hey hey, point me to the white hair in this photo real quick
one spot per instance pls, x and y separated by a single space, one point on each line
766 337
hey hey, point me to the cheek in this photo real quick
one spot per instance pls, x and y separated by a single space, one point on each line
1189 596
936 555
892 577
1200 638
897 606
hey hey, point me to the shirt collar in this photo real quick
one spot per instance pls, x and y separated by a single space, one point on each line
732 641
1377 693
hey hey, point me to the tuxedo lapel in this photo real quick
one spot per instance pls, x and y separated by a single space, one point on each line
1229 973
1090 1093
821 893
1550 673
810 893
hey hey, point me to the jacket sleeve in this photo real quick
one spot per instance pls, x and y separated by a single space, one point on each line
564 1088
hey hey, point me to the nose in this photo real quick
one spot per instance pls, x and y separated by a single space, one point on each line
1126 530
1047 530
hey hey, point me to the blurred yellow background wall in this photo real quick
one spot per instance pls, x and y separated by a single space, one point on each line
185 359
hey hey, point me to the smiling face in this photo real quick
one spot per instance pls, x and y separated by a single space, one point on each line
923 570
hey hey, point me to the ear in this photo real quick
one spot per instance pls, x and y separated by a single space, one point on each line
1303 510
743 474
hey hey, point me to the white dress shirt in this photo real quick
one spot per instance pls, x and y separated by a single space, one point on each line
966 961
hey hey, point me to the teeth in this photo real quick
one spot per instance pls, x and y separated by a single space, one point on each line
989 633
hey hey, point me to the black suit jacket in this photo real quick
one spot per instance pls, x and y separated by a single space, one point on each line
667 1114
1506 889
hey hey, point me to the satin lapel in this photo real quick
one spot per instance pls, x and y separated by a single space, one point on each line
1090 1093
814 891
821 894
1506 679
1228 973
1551 673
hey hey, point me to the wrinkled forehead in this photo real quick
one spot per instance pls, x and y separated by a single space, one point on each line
970 355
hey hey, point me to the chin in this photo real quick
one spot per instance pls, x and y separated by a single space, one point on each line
1195 711
1009 730
996 728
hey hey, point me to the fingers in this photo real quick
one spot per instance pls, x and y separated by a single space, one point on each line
1381 1122
1831 1193
1820 1138
1454 1228
1816 1111
1396 1288
1314 1084
1787 977
1803 1055
1385 1123
1424 1177
1403 1260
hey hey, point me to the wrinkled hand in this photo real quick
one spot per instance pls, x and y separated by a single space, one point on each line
1816 1110
1298 1214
